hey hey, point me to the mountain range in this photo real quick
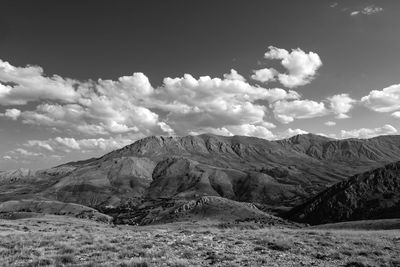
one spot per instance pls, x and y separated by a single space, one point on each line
241 172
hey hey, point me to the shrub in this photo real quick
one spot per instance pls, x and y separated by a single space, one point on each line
65 259
136 262
39 263
279 245
360 263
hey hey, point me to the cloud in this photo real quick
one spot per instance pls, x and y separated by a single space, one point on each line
166 128
385 100
276 94
234 75
301 67
27 84
342 116
131 104
192 104
340 105
368 133
39 143
287 111
396 114
218 131
102 107
26 153
252 130
368 10
264 75
68 144
108 113
11 113
289 133
330 123
96 116
244 130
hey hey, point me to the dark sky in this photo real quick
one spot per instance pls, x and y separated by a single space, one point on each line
105 39
93 39
108 39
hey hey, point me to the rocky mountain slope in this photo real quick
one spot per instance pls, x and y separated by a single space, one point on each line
374 194
209 208
280 173
240 168
15 175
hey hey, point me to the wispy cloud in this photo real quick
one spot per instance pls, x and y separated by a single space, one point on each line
368 10
334 4
368 132
330 123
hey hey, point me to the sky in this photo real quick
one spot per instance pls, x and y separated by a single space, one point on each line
79 79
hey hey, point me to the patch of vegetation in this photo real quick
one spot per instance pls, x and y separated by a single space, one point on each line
55 241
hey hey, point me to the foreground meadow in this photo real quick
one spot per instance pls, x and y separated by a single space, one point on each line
64 241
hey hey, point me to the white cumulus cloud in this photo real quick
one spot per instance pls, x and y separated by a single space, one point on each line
288 111
193 104
264 75
26 84
301 67
12 113
289 133
260 131
369 132
396 114
385 100
67 144
341 104
131 104
234 75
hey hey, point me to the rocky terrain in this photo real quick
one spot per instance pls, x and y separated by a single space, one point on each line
371 195
13 208
207 208
60 241
154 177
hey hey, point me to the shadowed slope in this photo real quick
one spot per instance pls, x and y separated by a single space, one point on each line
371 195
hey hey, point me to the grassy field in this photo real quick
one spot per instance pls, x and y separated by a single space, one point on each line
63 241
382 224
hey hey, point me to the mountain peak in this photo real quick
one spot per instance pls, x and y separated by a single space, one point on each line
309 137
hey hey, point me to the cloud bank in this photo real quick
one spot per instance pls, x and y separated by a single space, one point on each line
181 105
103 115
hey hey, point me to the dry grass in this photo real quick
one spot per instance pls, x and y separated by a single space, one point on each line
61 241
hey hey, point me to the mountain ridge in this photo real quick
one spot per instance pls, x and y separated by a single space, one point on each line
282 173
374 194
